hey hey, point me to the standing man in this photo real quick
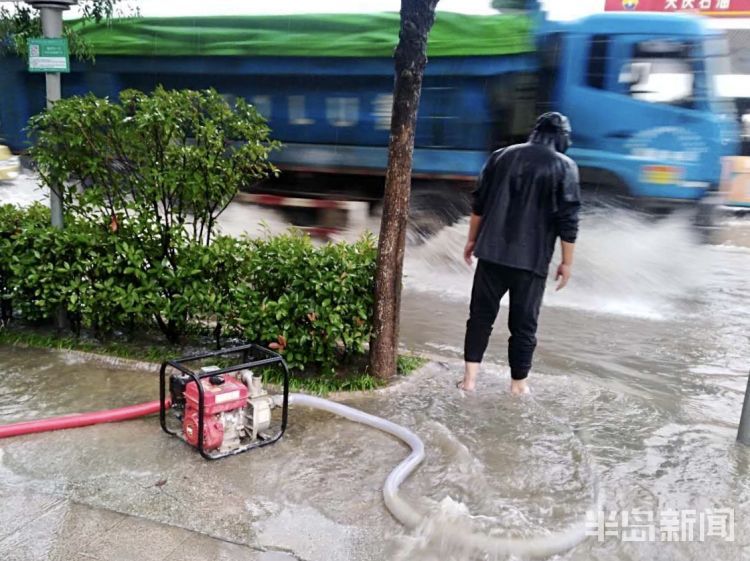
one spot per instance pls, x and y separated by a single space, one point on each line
527 196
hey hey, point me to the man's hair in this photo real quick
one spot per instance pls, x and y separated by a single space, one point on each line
552 129
552 122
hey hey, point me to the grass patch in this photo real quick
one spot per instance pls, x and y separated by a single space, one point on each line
408 363
119 349
352 376
324 384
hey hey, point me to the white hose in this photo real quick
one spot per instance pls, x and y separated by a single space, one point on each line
537 547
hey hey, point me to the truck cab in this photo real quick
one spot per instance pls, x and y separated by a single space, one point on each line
641 93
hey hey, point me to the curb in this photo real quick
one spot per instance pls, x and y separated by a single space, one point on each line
153 367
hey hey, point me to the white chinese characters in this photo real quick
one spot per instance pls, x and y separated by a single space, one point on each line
664 526
704 5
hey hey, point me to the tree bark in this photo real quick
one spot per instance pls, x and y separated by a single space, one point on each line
417 17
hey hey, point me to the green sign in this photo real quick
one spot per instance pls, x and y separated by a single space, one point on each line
48 55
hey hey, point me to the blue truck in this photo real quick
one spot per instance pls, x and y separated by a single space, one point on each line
640 90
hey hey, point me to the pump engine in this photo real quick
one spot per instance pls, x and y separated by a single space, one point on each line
223 411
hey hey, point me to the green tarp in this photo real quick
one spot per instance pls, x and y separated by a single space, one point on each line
324 35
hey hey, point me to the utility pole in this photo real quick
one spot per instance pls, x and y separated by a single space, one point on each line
52 28
743 434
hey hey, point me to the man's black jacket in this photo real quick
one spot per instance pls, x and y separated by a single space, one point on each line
528 195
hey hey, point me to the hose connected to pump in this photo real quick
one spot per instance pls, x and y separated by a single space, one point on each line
403 512
80 419
542 546
538 547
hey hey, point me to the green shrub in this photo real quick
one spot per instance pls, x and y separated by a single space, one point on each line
82 268
143 181
13 221
313 304
158 169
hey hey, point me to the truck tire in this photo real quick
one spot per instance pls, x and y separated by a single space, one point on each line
431 210
602 188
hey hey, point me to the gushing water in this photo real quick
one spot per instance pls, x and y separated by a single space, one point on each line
625 265
24 191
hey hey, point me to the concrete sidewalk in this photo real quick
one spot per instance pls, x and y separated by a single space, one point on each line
36 526
127 491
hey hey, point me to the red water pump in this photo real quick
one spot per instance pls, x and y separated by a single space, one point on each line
222 410
224 403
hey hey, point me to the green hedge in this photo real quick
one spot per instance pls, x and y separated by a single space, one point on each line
312 303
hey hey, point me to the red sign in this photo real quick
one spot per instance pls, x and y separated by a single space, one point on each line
715 8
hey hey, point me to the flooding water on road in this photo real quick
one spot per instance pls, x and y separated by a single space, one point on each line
646 355
642 365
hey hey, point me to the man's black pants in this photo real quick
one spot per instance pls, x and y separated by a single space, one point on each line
491 282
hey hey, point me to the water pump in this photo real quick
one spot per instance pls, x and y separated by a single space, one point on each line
222 408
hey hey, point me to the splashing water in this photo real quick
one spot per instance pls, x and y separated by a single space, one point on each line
450 530
244 219
427 543
625 265
635 266
24 191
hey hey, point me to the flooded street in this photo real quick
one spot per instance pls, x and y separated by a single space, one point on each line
645 356
638 381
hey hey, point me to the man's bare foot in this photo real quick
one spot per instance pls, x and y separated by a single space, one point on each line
469 383
519 387
465 386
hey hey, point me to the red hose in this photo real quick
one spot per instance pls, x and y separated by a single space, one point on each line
80 419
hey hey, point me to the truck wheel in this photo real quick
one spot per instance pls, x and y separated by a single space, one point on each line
604 189
606 196
430 211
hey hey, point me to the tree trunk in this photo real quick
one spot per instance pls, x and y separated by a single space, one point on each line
417 17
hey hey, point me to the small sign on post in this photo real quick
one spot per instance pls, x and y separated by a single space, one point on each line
49 55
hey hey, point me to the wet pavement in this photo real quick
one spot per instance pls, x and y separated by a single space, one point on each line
113 491
57 529
639 376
